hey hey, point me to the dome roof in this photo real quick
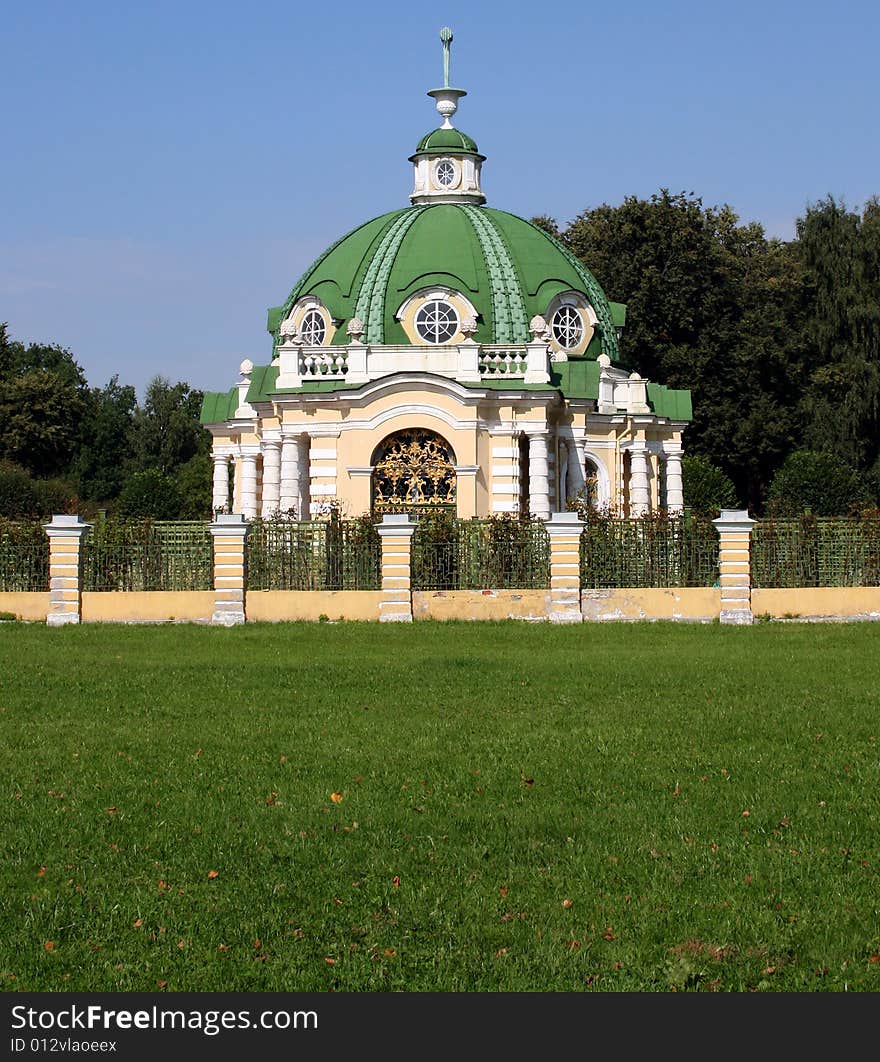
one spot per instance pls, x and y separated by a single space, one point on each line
445 141
508 268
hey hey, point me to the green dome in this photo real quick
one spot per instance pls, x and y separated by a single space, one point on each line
446 141
508 268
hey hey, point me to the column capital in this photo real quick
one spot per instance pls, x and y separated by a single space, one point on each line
64 526
401 524
733 520
567 523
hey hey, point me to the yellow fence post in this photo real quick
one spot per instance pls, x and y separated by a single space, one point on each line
734 528
395 533
565 530
229 534
66 534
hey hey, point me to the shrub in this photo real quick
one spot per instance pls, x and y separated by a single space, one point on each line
22 497
821 483
150 494
707 490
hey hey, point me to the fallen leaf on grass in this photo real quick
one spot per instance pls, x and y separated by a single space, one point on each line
330 962
137 923
336 798
49 945
41 872
395 881
389 953
567 903
608 934
213 874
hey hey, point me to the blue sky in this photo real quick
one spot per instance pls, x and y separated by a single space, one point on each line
169 169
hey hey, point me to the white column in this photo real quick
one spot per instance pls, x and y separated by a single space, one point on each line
575 478
562 462
220 486
674 488
289 492
639 497
271 478
304 508
236 482
539 485
249 484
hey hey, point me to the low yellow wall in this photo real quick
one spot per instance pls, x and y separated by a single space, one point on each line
695 603
147 606
820 602
274 606
26 605
480 604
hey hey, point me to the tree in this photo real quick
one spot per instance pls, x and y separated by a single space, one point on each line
42 401
712 306
822 483
149 494
104 454
166 431
840 252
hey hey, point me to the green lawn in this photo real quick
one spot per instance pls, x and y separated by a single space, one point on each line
440 807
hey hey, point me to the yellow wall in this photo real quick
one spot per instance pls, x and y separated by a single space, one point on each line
826 602
277 605
480 604
26 605
148 606
681 603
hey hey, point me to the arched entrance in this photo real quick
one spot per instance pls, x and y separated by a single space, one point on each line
413 470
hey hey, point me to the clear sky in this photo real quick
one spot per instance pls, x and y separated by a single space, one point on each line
169 169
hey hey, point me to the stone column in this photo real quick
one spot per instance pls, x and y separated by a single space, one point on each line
674 490
734 563
271 478
229 534
565 567
639 496
396 532
304 508
539 484
248 499
288 497
575 476
220 492
66 534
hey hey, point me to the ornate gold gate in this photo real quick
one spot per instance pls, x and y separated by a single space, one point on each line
412 470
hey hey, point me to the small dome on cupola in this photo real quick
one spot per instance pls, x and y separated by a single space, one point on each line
446 161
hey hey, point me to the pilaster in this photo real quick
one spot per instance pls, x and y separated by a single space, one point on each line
734 528
396 532
66 535
564 530
229 534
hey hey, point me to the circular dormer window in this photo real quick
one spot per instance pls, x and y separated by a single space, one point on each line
436 322
313 329
445 173
567 327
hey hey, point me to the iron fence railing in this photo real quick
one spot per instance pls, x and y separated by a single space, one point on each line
147 555
24 556
649 551
816 551
332 554
499 553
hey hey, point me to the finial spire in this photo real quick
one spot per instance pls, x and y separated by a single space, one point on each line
446 38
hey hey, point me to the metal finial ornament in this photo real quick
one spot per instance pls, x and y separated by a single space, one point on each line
446 38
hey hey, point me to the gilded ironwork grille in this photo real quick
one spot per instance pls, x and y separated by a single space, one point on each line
413 470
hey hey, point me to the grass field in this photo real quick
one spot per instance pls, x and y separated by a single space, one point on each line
440 807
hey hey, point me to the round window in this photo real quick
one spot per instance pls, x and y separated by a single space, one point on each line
436 322
567 327
445 173
312 329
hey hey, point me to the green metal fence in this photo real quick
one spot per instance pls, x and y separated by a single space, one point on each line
495 554
24 556
148 555
816 551
648 551
330 554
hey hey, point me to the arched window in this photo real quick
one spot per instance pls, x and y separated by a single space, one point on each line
437 321
313 329
567 327
413 469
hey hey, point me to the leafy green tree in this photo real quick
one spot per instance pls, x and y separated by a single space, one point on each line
840 252
42 402
712 306
707 490
822 483
194 486
103 456
166 431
